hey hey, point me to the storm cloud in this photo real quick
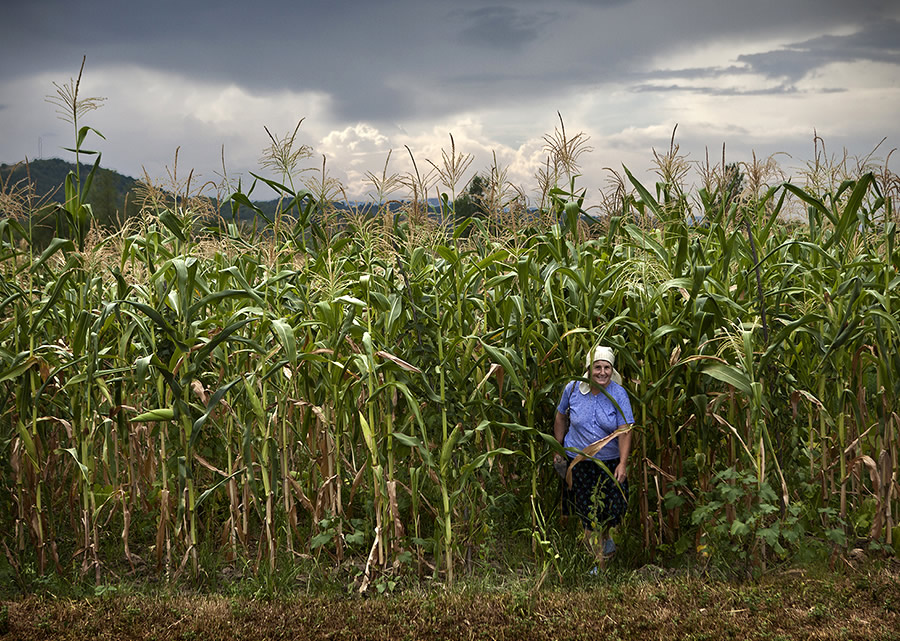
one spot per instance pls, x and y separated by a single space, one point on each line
200 75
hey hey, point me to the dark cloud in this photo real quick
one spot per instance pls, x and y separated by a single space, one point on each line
376 61
694 72
502 27
875 42
412 63
603 3
395 60
719 91
343 49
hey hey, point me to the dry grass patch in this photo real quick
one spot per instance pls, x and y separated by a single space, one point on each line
861 605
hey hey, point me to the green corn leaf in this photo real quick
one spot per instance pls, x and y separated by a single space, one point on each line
141 368
55 295
82 134
243 201
173 224
86 186
10 227
499 355
158 414
215 487
255 403
642 239
393 315
157 318
812 201
848 217
214 401
57 244
28 442
51 379
730 375
235 273
645 195
414 443
204 352
447 450
215 297
368 436
85 472
276 186
285 334
468 469
71 193
351 300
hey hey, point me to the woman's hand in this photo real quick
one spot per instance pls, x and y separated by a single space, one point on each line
558 458
621 472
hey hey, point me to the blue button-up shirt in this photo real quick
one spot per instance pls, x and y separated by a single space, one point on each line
593 416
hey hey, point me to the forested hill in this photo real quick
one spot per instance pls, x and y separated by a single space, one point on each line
107 196
113 196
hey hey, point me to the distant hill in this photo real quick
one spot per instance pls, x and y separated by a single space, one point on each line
113 196
48 177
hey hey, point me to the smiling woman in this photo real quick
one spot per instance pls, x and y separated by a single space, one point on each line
592 418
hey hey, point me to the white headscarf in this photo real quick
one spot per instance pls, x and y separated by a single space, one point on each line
600 353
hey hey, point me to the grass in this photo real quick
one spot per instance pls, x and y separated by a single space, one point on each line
854 603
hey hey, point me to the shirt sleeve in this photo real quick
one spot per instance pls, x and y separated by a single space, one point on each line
625 416
563 406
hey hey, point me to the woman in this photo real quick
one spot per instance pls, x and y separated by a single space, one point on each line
586 414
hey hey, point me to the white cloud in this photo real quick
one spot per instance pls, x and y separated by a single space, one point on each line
852 76
353 146
411 81
147 115
353 151
163 111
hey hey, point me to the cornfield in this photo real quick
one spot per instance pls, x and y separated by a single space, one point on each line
379 387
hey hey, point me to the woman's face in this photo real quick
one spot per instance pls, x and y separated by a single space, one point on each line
601 373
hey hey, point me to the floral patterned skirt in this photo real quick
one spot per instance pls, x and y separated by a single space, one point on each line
595 496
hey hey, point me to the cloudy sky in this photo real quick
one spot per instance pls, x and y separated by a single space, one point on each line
369 77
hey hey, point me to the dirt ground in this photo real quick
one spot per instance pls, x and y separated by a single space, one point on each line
858 604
